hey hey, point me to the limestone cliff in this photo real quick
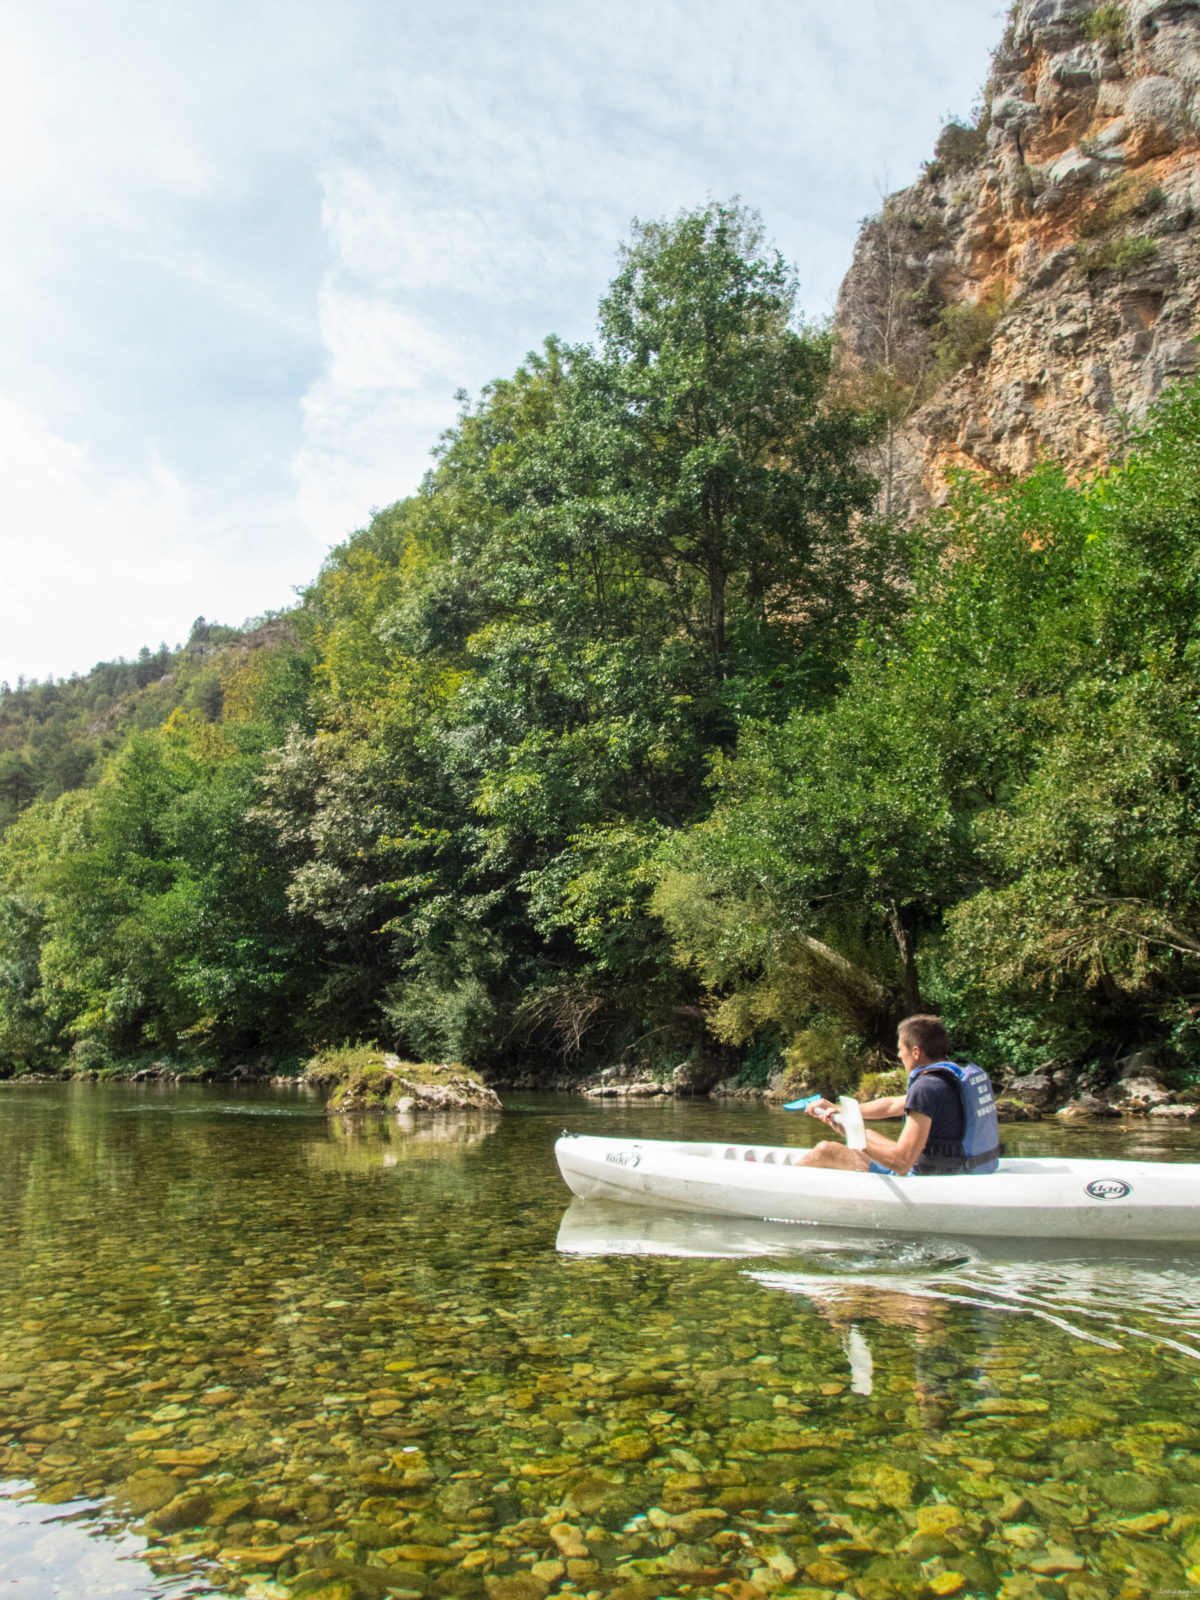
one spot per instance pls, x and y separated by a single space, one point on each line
1037 288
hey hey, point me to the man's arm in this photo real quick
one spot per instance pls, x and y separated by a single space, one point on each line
873 1110
883 1110
901 1154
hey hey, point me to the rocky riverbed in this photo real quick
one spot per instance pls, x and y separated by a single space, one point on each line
342 1357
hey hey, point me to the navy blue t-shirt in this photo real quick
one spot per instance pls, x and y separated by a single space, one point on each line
939 1100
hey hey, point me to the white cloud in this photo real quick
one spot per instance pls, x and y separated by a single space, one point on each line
372 419
95 566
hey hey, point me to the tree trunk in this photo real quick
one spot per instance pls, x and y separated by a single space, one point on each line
849 993
716 608
908 962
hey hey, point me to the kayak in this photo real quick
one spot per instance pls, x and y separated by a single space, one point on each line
1044 1197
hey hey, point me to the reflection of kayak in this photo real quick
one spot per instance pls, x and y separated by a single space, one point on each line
1042 1197
602 1228
1091 1289
616 1228
607 1228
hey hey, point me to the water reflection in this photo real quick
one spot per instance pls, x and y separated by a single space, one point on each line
366 1143
606 1227
1089 1289
75 1552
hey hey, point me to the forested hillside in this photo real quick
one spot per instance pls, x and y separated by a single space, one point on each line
57 735
636 732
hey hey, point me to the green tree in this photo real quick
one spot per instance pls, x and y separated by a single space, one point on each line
684 542
620 551
1084 940
157 903
841 837
18 782
1096 865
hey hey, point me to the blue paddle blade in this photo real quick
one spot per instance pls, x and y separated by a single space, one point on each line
802 1105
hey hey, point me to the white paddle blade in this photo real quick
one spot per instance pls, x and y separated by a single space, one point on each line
852 1122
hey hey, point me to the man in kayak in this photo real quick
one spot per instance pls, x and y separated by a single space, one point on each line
949 1115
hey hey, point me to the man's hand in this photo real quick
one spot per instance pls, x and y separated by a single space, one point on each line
824 1111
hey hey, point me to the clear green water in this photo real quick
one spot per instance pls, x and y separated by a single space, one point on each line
247 1351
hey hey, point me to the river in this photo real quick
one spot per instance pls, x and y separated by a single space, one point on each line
246 1350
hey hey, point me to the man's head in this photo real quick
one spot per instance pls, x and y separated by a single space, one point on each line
921 1040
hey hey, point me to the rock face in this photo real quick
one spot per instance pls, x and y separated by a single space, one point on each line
1038 285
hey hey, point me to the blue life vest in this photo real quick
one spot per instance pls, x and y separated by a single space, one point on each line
981 1148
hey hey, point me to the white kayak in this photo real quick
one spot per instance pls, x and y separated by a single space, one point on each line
1044 1197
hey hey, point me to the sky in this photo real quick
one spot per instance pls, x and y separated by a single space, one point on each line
250 251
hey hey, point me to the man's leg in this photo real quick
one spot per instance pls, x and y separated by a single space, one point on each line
830 1154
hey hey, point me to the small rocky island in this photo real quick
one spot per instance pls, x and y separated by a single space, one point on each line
364 1079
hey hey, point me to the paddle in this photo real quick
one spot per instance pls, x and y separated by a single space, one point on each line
849 1116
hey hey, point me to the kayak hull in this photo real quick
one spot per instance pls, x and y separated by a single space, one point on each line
1026 1198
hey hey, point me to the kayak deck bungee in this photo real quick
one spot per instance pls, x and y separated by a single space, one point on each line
1044 1197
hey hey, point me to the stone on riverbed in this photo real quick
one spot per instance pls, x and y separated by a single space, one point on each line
1035 1089
1088 1105
1009 1110
363 1079
145 1491
521 1586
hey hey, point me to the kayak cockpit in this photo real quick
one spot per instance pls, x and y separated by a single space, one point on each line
763 1154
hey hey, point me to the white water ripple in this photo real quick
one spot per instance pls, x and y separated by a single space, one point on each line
1076 1297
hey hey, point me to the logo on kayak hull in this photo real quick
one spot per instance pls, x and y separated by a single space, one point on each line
1108 1189
623 1158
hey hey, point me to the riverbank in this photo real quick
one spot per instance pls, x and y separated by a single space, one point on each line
284 1074
364 1078
1136 1085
